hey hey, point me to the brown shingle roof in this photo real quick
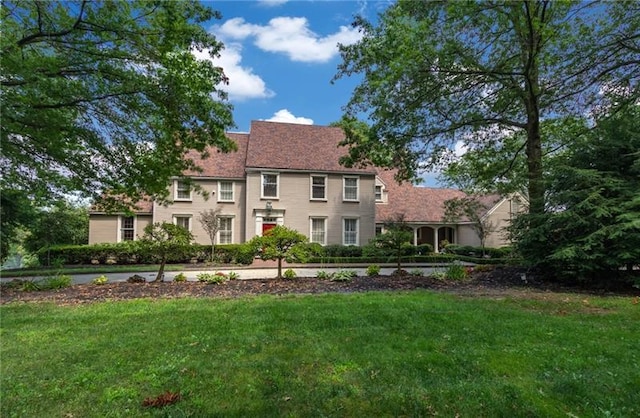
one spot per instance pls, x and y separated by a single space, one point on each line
297 147
418 204
220 164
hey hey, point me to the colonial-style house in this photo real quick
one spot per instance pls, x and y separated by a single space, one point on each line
289 174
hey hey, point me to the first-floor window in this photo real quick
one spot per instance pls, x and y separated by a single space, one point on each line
378 229
183 221
127 228
225 230
350 231
318 230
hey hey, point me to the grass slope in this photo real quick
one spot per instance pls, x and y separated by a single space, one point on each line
378 354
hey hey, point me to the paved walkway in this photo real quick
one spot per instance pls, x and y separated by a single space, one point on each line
258 270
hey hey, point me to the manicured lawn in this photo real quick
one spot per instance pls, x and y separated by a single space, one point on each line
343 355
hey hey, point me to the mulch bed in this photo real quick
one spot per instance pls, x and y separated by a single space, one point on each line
498 282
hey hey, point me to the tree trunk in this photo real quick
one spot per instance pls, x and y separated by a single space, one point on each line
160 275
279 269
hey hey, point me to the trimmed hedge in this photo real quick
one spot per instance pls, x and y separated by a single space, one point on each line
470 251
134 252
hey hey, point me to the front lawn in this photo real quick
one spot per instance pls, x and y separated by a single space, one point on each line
415 353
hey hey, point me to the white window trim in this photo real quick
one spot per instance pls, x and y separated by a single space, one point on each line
233 191
232 217
326 183
375 193
135 227
344 185
383 190
277 196
180 215
344 241
324 218
175 193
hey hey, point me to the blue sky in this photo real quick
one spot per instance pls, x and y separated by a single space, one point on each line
280 57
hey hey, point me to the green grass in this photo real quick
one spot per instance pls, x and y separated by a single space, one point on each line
342 355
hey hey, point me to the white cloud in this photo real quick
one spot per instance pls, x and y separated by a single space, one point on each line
283 115
459 149
243 83
272 3
290 36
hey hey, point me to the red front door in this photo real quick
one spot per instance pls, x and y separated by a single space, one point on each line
267 227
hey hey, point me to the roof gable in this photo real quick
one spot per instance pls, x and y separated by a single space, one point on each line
220 164
419 204
275 145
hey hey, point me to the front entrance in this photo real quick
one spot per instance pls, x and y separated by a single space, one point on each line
267 225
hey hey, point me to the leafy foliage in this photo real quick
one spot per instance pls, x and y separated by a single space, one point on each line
395 239
107 96
435 73
213 278
16 210
281 243
373 270
470 208
100 280
289 274
163 239
592 227
61 224
210 221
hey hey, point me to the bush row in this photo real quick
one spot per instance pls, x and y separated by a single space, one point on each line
133 252
470 251
428 259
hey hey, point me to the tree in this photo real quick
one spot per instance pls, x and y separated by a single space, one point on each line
62 223
107 96
281 243
396 237
16 211
163 239
470 208
210 221
438 72
593 228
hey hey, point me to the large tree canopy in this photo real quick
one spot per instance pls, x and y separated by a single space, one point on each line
106 95
437 72
594 192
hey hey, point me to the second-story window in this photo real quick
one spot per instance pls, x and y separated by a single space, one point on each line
269 185
318 187
225 191
350 188
378 193
182 190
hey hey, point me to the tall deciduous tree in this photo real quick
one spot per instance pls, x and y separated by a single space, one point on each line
106 95
437 72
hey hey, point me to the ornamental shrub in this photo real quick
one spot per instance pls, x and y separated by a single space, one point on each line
373 270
